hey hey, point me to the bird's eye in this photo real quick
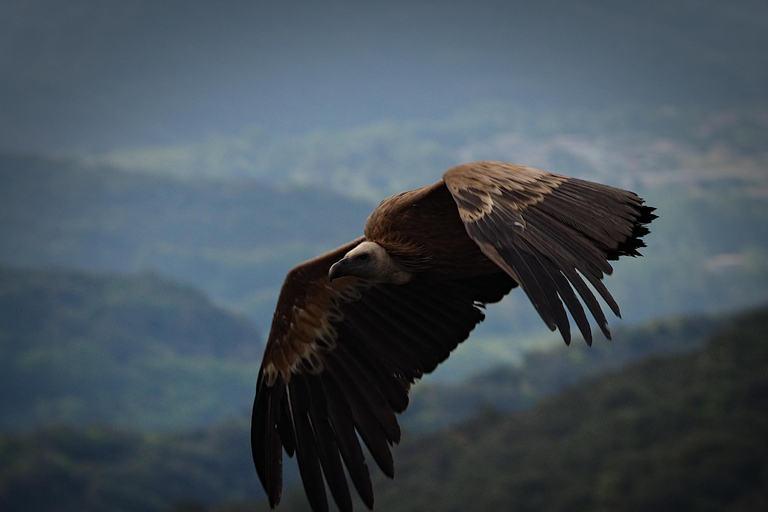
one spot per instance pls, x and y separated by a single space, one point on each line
363 257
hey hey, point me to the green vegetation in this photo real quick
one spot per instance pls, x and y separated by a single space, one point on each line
542 373
674 432
102 468
142 351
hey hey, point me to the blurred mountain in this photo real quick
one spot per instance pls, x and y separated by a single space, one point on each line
233 240
136 351
670 430
94 76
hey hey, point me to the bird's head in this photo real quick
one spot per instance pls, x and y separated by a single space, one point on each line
369 261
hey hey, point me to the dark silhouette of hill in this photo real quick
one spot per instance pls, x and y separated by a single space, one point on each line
543 373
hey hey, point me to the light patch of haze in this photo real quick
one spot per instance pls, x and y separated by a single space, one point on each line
660 148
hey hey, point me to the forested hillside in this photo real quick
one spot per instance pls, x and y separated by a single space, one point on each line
100 468
137 351
542 373
660 433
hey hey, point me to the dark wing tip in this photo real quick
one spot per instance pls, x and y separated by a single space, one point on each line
266 445
630 245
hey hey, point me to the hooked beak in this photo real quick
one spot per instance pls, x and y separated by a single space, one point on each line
338 269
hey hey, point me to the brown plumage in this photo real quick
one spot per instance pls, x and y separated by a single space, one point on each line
355 327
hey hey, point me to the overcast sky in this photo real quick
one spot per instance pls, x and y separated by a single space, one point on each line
95 75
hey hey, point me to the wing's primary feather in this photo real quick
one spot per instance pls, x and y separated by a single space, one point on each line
339 362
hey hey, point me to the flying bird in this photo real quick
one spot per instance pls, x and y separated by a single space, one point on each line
354 328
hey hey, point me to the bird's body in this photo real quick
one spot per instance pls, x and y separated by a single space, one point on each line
422 230
355 327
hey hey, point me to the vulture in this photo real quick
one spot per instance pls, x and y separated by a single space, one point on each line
354 328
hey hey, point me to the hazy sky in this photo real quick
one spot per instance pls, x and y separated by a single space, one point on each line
95 75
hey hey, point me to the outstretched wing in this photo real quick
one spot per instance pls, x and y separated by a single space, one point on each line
548 231
339 362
